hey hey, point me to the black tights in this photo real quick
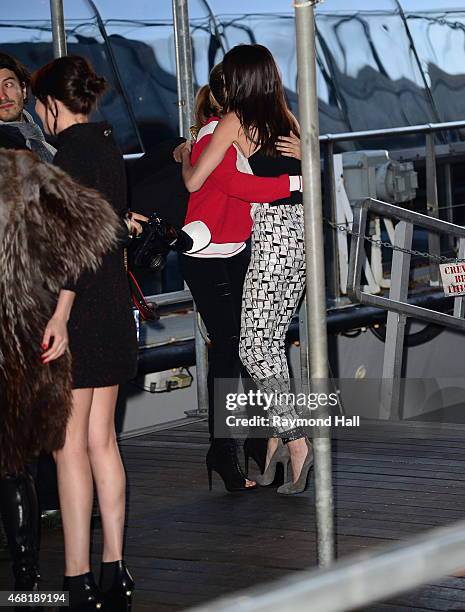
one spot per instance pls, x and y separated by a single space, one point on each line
216 286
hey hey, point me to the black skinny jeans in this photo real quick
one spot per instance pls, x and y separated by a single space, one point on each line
216 286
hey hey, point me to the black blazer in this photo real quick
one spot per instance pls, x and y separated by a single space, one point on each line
155 184
11 138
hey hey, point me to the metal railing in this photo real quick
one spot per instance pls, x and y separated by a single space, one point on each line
397 303
328 140
401 260
357 581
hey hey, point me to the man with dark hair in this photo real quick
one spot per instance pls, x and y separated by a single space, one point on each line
17 127
19 506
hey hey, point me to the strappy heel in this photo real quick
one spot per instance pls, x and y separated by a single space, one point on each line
301 484
280 456
222 458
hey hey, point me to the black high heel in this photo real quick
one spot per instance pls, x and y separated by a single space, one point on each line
20 513
222 458
117 586
255 448
84 594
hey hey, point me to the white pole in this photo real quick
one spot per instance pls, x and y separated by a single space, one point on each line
58 28
316 293
185 85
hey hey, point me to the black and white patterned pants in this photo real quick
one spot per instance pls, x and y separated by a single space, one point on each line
273 287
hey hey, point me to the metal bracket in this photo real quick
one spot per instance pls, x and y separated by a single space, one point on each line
395 328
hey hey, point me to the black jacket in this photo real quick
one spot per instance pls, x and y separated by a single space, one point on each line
156 185
11 138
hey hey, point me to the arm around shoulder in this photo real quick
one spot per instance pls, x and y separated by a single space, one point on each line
213 154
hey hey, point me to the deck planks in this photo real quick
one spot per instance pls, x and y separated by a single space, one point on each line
186 545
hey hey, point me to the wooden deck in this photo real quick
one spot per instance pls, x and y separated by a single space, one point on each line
186 545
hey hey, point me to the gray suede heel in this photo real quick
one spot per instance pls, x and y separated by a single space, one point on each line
291 488
281 455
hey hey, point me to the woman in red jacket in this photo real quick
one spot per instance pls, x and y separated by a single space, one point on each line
257 120
215 275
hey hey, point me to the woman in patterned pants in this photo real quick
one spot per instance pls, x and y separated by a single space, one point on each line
256 118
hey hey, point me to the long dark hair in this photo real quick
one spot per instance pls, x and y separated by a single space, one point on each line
254 91
70 79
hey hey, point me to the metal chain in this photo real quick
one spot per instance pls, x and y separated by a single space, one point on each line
382 243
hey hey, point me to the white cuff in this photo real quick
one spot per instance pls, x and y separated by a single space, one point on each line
200 235
295 183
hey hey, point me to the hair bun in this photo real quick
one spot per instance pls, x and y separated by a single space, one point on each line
91 87
72 80
96 85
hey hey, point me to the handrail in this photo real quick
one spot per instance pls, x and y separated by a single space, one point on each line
170 298
424 128
357 257
359 580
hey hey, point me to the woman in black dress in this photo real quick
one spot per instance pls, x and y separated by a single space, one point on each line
102 339
45 218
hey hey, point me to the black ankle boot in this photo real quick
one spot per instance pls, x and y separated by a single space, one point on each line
255 448
84 594
20 513
117 586
222 458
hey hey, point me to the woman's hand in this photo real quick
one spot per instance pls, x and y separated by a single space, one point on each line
56 329
289 146
134 225
181 150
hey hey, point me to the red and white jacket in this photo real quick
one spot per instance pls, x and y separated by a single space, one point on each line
223 203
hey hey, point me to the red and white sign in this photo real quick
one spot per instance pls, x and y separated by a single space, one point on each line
453 278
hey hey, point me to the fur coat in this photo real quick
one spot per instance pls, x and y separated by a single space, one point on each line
51 230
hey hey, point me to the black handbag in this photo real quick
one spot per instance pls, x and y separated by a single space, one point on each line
158 237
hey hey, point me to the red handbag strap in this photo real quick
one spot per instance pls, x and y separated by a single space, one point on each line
146 310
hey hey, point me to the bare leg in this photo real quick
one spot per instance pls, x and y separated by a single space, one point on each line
298 452
271 448
108 471
75 486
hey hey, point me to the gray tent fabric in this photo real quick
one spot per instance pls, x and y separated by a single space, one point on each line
369 76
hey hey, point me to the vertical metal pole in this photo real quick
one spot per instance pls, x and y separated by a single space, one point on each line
183 53
185 85
316 295
432 203
331 246
58 28
459 302
449 199
303 343
395 326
